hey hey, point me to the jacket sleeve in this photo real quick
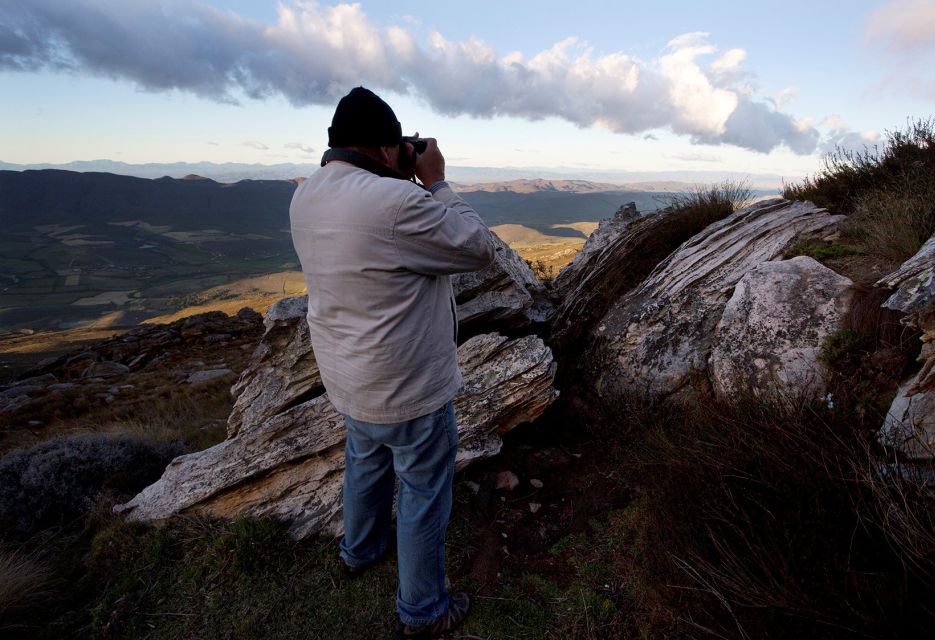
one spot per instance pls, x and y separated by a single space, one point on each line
441 234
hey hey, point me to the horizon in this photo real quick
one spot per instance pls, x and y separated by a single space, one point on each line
688 90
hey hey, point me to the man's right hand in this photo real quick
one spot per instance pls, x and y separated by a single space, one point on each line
430 165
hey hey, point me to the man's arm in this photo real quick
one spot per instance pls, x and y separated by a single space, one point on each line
439 233
436 232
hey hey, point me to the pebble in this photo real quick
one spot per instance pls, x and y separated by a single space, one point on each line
535 482
534 507
507 480
473 486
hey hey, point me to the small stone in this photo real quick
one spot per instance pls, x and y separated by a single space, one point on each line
507 481
35 423
534 507
535 482
473 486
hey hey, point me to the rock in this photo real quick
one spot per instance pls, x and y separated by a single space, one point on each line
909 426
534 507
248 314
290 466
106 369
507 481
41 381
914 282
62 386
217 337
537 484
283 371
658 337
617 257
770 335
910 422
200 377
504 295
21 390
472 486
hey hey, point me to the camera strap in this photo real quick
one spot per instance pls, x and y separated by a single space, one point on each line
361 161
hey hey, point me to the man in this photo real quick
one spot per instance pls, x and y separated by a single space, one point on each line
377 250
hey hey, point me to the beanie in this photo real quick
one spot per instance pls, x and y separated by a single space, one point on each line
362 119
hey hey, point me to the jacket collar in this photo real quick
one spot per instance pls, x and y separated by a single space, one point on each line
361 161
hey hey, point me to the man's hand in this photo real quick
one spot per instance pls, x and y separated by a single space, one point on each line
430 165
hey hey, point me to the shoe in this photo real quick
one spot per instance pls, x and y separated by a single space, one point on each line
458 605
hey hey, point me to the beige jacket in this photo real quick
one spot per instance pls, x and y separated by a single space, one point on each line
377 253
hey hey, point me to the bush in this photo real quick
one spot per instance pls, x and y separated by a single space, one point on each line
58 481
889 193
713 201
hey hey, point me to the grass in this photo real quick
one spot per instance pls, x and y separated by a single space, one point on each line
25 582
888 192
714 200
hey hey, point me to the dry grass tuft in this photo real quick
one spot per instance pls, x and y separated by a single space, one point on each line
25 581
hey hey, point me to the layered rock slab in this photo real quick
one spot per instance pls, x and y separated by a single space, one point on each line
290 466
910 422
770 335
282 372
658 337
504 295
616 258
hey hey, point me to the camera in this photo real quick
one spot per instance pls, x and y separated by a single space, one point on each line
418 144
407 162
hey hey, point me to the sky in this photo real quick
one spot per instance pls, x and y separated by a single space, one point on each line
765 87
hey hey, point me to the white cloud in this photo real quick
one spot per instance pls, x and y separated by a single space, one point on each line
256 144
787 96
904 26
301 146
314 54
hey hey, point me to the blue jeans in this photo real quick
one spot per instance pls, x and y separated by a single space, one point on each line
422 453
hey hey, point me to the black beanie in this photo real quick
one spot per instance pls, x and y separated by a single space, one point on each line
362 119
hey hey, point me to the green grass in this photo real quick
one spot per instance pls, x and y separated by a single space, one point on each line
821 251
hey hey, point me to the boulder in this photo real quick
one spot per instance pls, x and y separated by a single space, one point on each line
770 335
283 371
290 466
617 257
502 296
910 422
658 337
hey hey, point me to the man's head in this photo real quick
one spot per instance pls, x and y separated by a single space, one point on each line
365 123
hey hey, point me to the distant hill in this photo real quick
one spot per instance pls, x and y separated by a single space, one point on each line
89 246
539 184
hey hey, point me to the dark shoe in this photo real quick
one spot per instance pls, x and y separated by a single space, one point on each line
458 605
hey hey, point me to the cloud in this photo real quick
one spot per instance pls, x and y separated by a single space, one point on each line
695 157
314 54
787 96
256 145
903 26
301 146
842 138
650 136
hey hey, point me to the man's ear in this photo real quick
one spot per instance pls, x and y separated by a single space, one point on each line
385 157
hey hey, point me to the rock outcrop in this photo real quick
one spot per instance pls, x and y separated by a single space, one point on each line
770 334
910 422
290 465
282 372
616 258
657 337
504 295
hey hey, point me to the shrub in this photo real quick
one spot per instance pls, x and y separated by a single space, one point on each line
714 200
889 193
58 481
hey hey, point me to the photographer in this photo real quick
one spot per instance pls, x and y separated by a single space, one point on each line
377 250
